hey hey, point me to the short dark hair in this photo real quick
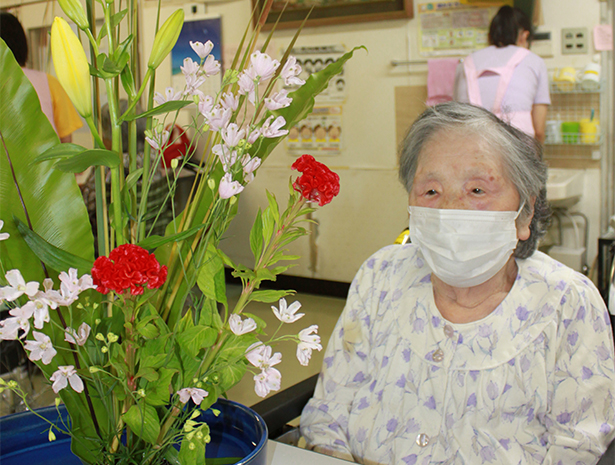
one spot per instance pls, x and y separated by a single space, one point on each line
506 24
13 34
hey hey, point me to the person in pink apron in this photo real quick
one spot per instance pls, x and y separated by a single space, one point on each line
506 78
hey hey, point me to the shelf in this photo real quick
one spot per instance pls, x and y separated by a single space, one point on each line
572 88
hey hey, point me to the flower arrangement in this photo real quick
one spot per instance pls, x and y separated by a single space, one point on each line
141 339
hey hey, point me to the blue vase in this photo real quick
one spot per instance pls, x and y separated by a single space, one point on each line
237 432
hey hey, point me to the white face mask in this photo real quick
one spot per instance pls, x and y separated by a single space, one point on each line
464 248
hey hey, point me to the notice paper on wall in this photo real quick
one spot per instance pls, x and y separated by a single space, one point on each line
453 28
313 59
319 134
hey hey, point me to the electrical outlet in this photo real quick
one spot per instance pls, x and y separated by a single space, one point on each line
574 40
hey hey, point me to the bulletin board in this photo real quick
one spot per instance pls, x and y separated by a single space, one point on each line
454 28
319 134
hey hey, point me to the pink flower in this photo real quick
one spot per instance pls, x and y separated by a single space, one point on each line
290 72
78 337
202 50
263 66
249 166
246 85
196 394
65 375
278 100
218 118
267 381
232 135
169 95
20 320
228 187
211 67
40 348
260 356
254 135
206 104
157 140
229 100
190 67
239 326
227 156
272 129
287 314
308 342
40 311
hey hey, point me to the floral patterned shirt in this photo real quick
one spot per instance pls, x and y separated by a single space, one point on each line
531 383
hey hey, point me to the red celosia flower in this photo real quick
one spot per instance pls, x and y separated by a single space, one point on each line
317 183
128 266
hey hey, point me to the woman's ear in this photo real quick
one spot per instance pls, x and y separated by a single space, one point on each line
523 39
523 225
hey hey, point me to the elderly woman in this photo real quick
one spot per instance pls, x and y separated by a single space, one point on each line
468 346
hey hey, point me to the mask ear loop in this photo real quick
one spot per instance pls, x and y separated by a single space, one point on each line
519 211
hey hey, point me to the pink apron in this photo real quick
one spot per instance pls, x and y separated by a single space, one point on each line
39 81
520 119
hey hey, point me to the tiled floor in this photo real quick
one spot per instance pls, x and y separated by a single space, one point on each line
319 310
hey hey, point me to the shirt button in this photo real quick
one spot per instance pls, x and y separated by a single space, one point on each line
449 331
438 356
422 440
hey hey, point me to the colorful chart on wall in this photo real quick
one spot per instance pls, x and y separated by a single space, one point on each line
453 28
197 30
320 133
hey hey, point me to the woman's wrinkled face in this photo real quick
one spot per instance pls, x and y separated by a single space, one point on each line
460 171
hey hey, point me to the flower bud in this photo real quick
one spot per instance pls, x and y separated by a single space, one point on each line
100 337
112 337
94 369
211 183
165 39
52 436
71 66
104 350
74 10
12 384
57 401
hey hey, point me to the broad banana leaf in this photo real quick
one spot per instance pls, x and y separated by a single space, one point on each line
52 198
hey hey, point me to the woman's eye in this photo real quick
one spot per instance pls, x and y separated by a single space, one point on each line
478 190
431 192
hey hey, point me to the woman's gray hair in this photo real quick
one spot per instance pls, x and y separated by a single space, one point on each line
521 157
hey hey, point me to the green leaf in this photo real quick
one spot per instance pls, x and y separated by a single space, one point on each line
209 315
128 82
256 236
143 420
83 160
53 199
273 204
52 256
211 279
167 107
157 392
148 331
133 178
196 338
268 295
154 241
193 451
60 151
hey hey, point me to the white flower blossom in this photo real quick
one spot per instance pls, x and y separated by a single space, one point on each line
190 67
211 67
17 286
206 104
20 319
40 311
287 314
196 394
232 135
239 326
229 100
278 100
3 236
308 342
227 156
290 72
249 166
202 50
40 348
218 118
228 187
272 128
193 82
157 140
263 66
169 96
64 375
78 337
254 135
267 381
260 356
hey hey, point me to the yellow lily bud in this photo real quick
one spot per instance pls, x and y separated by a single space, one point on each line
71 66
165 39
74 10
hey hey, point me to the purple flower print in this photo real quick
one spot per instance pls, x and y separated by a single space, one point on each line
474 374
401 382
435 321
485 330
560 286
334 427
492 390
522 313
450 421
359 377
530 415
410 459
383 295
384 265
339 442
603 353
506 388
581 313
564 417
547 310
361 434
419 325
361 355
605 428
487 454
412 426
567 322
505 443
372 386
328 361
511 362
431 403
370 263
406 354
385 361
471 400
323 408
460 340
525 364
562 301
586 373
396 295
426 278
363 403
572 338
586 404
392 425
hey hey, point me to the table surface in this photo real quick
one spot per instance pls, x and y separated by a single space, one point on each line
283 454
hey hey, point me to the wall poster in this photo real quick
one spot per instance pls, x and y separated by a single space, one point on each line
318 134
